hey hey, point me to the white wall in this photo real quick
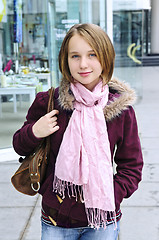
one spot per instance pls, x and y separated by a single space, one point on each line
130 4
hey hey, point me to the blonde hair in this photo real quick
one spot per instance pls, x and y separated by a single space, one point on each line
100 43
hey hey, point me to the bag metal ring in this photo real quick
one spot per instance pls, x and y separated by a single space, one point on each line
32 186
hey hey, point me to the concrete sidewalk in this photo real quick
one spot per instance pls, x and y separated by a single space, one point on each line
20 214
141 211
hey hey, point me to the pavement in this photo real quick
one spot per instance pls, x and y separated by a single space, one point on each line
20 214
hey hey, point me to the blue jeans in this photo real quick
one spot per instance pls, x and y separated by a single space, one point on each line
84 233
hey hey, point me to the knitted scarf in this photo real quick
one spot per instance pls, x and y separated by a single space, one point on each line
83 164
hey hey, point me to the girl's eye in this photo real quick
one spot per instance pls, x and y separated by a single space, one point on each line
92 55
75 56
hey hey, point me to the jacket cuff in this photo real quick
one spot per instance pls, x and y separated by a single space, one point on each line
118 193
31 137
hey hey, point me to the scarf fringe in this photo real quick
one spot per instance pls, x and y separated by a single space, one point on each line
72 190
96 217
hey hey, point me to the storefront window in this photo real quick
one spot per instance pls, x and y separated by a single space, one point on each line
131 39
24 34
24 66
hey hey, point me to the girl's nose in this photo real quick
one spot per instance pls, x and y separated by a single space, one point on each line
83 62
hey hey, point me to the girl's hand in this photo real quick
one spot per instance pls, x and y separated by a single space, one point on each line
46 125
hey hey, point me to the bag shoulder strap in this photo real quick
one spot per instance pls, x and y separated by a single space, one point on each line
51 99
49 108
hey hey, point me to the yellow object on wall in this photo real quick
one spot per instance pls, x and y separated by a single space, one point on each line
131 50
2 9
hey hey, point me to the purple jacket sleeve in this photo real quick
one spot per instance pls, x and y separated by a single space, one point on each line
128 157
24 141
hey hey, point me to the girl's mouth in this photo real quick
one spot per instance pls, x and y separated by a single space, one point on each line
84 74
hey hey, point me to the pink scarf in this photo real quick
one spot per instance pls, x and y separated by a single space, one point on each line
84 160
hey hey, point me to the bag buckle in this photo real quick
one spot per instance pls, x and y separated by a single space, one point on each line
38 187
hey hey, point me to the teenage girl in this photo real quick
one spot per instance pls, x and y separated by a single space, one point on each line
92 126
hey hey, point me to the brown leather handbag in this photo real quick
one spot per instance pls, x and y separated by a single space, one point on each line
31 173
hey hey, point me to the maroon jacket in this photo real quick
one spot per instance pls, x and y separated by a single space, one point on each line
124 144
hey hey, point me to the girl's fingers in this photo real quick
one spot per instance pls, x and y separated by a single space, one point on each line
54 124
46 125
53 119
52 113
56 128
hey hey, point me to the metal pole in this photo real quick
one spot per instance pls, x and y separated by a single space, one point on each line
109 16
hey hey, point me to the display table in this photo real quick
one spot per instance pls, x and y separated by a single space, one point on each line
16 91
44 76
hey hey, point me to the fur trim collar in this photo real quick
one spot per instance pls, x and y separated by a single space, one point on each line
119 101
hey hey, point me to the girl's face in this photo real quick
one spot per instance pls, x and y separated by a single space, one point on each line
83 63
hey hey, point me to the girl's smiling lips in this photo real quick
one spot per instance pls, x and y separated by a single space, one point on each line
84 74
